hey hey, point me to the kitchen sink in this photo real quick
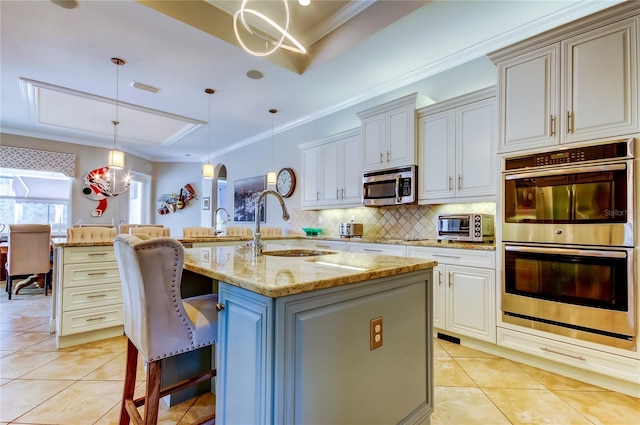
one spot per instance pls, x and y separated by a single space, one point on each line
297 253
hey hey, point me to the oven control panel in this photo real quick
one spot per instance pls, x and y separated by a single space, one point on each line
615 150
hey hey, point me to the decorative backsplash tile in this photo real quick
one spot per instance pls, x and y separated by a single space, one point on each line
410 221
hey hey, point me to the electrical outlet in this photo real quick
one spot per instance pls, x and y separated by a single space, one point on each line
375 333
319 219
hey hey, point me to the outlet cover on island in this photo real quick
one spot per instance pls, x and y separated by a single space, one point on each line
319 219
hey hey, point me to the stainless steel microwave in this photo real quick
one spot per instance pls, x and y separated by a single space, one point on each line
393 186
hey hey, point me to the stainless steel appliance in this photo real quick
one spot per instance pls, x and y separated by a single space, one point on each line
581 292
568 238
394 186
555 196
466 227
350 230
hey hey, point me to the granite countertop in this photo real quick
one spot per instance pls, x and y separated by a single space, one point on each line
275 276
487 246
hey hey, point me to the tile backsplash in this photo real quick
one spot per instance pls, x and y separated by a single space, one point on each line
406 221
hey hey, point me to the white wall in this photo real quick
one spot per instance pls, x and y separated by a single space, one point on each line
87 158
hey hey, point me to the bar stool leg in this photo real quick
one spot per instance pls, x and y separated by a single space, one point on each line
129 383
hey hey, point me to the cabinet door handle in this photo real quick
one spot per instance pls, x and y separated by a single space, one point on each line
439 278
450 279
548 350
380 157
552 125
343 193
388 156
459 181
569 122
219 307
450 183
337 194
317 196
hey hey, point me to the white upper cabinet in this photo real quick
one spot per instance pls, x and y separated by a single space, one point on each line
332 171
457 140
573 84
388 133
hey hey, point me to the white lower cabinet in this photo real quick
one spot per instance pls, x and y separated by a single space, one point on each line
88 295
321 245
376 248
463 295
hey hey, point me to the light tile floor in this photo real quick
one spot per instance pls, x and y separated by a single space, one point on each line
81 385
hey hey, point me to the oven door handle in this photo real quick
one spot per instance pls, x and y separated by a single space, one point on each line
567 251
563 171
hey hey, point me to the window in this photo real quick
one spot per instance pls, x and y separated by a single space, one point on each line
139 198
35 197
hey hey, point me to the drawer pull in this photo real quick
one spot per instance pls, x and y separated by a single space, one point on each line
93 319
96 254
548 350
371 250
323 246
445 256
97 273
97 296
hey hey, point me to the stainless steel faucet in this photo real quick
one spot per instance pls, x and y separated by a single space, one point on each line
215 220
257 239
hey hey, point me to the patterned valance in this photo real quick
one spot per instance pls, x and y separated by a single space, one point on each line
32 159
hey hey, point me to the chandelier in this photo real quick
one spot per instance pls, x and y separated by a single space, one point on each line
272 43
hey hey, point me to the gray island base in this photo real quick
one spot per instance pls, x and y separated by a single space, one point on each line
344 338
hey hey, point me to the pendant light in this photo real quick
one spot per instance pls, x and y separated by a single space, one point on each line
116 156
272 175
207 167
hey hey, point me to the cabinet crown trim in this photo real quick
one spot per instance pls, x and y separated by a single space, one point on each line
465 99
598 19
332 138
415 99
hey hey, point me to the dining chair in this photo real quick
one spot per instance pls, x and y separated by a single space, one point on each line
154 232
91 234
198 232
270 231
29 253
158 322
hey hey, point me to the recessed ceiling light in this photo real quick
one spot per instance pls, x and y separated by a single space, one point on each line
254 74
145 87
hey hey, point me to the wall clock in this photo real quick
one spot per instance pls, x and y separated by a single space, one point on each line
286 182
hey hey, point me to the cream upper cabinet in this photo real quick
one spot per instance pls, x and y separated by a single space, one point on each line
388 133
575 84
457 140
332 171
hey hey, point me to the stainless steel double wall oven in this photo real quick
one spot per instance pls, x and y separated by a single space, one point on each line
568 239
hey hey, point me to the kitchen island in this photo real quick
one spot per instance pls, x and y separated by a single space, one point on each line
332 338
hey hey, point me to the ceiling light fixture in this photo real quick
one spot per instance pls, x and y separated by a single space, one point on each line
272 175
207 167
146 87
304 2
116 156
275 42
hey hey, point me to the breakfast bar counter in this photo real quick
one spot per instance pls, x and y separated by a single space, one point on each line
320 337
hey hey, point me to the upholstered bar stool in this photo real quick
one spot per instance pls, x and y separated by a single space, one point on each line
154 232
239 231
157 321
198 232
